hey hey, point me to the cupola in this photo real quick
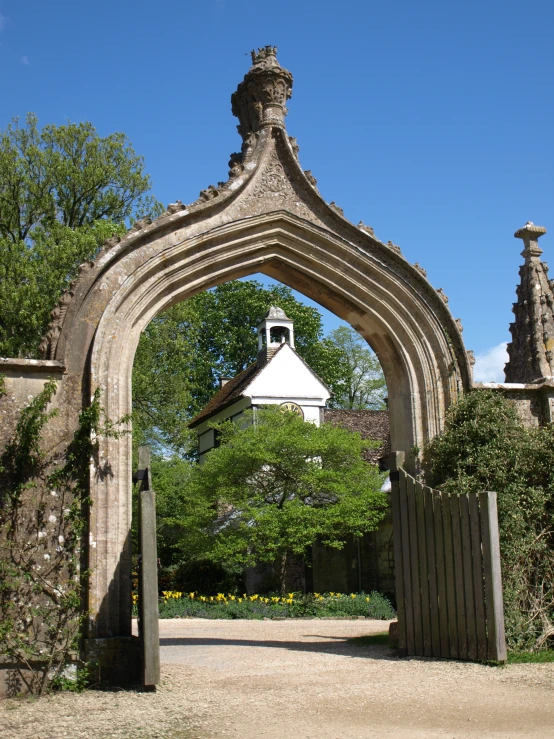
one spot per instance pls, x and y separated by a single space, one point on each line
274 331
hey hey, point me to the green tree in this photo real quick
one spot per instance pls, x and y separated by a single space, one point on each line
274 486
63 191
363 382
485 446
186 349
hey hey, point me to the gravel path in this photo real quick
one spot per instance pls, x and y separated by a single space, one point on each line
277 679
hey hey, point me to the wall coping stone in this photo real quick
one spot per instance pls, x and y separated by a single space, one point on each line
33 365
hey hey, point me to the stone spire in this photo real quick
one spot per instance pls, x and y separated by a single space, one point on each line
531 351
261 97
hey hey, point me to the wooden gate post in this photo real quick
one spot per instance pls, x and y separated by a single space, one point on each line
396 464
148 574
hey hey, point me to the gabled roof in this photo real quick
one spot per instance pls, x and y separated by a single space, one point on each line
228 394
234 389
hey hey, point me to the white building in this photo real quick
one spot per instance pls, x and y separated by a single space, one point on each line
278 377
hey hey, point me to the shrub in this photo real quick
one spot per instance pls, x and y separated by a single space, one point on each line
485 446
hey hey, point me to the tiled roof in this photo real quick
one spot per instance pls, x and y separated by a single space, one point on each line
228 394
374 425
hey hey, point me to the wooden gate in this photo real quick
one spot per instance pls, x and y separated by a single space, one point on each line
447 571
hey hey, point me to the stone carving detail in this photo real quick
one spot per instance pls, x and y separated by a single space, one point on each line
175 208
140 224
367 229
471 356
420 269
209 194
294 146
394 247
111 242
311 179
336 208
235 165
273 180
458 323
443 295
260 98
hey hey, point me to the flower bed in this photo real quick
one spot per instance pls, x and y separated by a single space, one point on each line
292 605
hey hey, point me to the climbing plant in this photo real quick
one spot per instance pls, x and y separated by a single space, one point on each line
44 507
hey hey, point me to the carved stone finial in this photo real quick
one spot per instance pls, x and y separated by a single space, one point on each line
443 295
471 356
261 97
531 350
420 269
394 247
530 235
458 322
311 179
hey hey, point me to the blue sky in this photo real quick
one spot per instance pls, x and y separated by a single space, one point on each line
430 121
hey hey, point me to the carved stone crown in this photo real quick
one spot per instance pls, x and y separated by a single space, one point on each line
266 56
261 97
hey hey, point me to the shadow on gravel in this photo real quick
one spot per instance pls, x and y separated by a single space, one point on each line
338 646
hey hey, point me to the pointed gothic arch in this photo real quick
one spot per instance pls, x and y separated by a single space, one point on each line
268 217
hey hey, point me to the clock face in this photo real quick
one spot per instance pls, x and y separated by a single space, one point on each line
293 408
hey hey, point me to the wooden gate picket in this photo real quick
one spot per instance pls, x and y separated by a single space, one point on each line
447 571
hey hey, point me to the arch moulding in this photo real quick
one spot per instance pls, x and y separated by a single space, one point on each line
267 217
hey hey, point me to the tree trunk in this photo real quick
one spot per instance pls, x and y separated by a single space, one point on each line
283 574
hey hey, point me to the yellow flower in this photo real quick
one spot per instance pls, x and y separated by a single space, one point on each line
367 600
240 600
353 596
231 597
291 595
191 595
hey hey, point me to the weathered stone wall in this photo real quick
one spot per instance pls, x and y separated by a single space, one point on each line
24 379
534 401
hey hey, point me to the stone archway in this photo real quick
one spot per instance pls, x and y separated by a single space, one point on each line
268 217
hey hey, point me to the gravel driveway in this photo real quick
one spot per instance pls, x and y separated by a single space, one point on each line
297 678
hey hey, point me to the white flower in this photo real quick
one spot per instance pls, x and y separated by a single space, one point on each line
54 493
47 556
60 539
41 534
52 519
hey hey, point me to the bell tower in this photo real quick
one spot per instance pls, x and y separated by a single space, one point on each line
274 331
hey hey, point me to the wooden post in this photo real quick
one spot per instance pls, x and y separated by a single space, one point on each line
496 639
148 580
396 462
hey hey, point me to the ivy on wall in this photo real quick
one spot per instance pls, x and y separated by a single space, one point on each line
44 504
